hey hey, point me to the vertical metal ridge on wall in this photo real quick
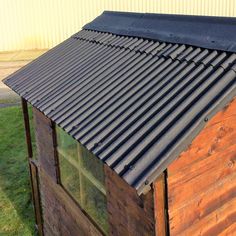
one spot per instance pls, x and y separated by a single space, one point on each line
27 24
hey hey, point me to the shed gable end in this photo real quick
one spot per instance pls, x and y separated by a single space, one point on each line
202 181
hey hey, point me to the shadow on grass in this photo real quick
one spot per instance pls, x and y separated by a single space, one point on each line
16 209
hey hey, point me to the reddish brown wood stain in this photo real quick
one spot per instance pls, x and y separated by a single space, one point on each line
45 145
128 213
61 215
160 206
202 181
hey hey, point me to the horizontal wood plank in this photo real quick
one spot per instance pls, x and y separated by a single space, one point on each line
62 214
208 142
200 177
202 181
203 205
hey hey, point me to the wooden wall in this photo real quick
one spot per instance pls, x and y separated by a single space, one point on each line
61 215
128 213
202 181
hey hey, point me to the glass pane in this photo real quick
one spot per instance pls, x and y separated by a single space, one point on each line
95 204
70 178
66 144
91 163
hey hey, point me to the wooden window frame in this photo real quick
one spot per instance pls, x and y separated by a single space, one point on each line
92 179
126 209
82 171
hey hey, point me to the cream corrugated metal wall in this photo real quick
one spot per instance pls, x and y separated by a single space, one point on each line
30 24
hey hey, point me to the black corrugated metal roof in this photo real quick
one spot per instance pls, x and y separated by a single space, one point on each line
135 103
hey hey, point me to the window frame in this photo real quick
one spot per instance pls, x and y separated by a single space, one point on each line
82 171
89 177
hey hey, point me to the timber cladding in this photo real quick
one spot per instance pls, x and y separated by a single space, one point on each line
45 143
128 213
202 181
61 215
200 186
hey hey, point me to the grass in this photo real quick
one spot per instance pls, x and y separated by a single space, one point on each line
16 210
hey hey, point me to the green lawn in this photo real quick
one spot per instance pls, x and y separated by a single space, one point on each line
16 210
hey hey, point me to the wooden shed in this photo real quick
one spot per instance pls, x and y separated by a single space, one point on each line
135 122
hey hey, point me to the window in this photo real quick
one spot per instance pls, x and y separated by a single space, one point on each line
82 175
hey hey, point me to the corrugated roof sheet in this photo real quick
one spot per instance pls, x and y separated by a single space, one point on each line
134 103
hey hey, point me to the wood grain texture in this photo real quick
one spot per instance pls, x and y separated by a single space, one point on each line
62 216
45 143
36 197
33 170
202 181
129 214
160 206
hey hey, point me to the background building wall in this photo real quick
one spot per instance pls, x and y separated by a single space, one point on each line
39 24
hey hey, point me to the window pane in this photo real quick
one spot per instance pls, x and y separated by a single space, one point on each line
95 204
66 144
90 163
70 178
